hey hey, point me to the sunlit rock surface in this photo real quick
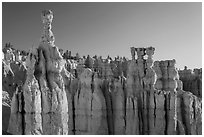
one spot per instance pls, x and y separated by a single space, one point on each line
43 103
14 75
57 94
6 104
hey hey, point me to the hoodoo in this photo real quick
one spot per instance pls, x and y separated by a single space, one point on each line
43 101
59 94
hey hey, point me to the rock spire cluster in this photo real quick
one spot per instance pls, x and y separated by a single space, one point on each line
96 96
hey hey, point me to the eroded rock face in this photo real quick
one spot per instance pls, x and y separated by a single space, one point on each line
14 75
101 105
44 106
82 103
136 97
99 114
118 105
150 74
16 119
157 68
6 103
90 105
192 80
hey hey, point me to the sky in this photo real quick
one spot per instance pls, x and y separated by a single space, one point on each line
174 29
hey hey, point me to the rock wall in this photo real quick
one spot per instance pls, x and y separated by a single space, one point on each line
90 106
6 104
142 98
14 75
192 80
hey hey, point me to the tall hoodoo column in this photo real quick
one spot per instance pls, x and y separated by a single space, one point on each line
57 114
172 75
150 75
47 17
157 69
140 61
172 86
131 90
44 102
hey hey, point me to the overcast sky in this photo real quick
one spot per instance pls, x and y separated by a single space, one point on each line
174 29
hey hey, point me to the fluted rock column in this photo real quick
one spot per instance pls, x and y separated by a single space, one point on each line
157 121
141 61
118 101
132 79
71 84
131 103
45 106
132 88
54 64
191 112
157 69
172 75
150 75
172 86
132 117
32 98
82 103
16 122
99 122
90 106
148 91
107 76
140 88
163 66
46 95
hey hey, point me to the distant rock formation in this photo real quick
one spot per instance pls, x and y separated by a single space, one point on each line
95 96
